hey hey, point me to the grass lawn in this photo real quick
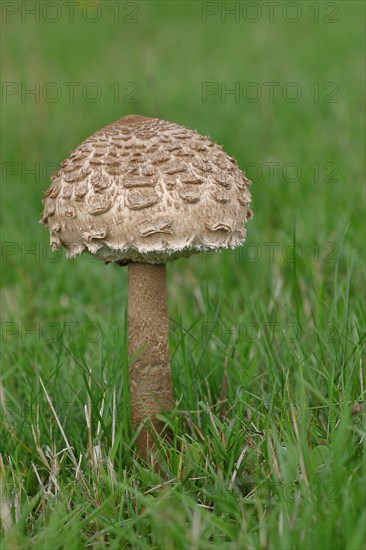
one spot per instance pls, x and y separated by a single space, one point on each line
267 342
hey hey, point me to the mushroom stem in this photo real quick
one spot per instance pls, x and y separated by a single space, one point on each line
149 372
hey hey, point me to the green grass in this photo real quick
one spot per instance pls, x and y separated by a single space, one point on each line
267 353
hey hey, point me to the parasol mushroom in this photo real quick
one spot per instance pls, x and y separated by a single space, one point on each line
141 192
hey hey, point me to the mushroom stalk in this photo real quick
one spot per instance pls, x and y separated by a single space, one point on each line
149 368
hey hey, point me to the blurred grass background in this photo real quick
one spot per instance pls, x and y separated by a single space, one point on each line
166 53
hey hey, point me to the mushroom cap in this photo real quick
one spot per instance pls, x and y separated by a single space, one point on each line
146 190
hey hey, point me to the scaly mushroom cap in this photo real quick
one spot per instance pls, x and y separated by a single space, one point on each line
146 190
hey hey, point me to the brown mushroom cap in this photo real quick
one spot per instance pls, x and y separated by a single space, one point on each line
146 190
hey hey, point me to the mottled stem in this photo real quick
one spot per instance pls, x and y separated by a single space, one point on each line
149 373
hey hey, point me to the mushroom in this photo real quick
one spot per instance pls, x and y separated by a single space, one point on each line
141 192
